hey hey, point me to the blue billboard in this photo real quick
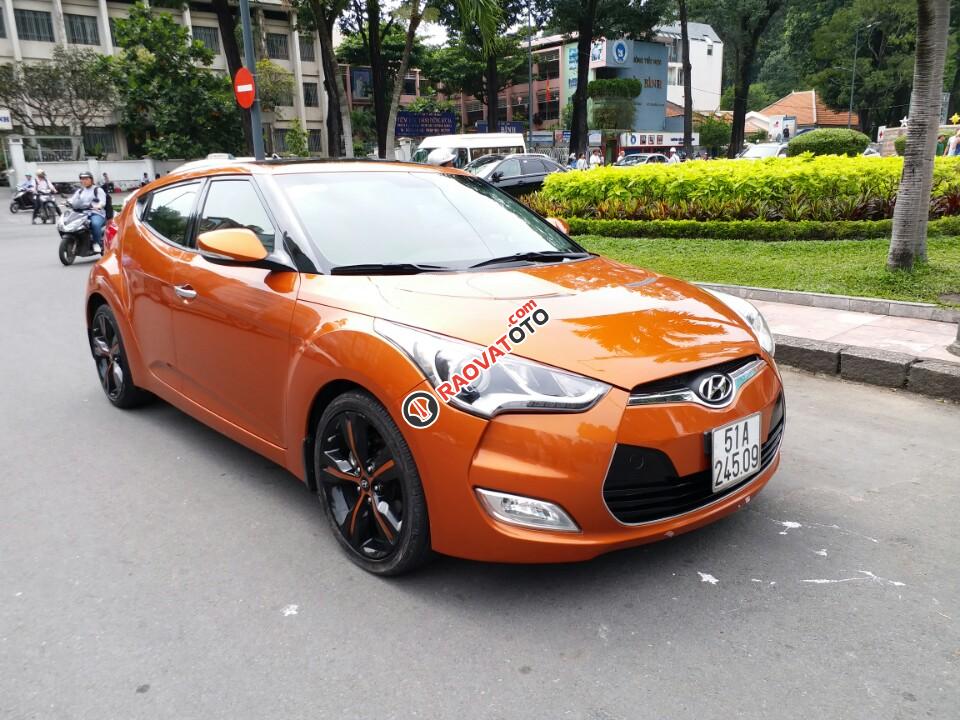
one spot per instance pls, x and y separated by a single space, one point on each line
424 124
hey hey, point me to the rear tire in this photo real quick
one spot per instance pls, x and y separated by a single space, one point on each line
369 486
68 250
110 358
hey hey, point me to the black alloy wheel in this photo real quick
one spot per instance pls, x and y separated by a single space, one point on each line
14 207
369 485
111 361
68 250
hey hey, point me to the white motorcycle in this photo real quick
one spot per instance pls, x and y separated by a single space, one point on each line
76 239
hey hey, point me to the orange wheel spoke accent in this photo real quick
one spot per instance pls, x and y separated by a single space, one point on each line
381 522
356 513
341 475
382 469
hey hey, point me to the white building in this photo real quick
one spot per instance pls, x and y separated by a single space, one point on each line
30 29
706 65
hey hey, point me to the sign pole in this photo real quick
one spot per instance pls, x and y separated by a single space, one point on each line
256 125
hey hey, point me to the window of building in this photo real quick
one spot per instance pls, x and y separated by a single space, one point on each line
34 25
285 98
3 26
209 36
519 103
675 76
548 106
170 209
306 49
474 112
709 48
81 29
311 95
410 85
548 65
279 140
99 140
315 140
236 204
113 30
277 47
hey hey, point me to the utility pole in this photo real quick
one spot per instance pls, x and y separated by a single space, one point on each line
853 77
530 94
256 125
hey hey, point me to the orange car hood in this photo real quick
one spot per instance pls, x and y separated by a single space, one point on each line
608 321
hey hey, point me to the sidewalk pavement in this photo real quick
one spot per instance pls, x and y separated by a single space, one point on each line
922 338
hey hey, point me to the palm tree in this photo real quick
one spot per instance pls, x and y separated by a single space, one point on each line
909 241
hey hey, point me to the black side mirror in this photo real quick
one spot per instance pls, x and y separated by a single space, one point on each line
496 177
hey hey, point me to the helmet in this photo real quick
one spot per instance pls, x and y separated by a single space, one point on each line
41 173
86 174
441 156
27 175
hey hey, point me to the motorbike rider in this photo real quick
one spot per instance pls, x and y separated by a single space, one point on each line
42 186
26 183
91 199
442 157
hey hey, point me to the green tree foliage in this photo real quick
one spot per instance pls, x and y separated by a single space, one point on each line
431 102
274 86
172 106
884 59
461 66
613 107
352 49
297 145
757 99
900 144
829 141
714 134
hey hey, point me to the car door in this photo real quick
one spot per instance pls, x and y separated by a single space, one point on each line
154 245
507 175
233 326
532 172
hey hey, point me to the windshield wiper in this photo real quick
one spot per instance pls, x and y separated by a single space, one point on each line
384 269
535 255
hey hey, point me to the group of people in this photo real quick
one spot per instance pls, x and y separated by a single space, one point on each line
90 198
949 146
596 159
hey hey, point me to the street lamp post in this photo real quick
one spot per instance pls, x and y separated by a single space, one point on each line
853 76
529 76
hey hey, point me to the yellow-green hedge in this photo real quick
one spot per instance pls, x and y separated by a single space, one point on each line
822 188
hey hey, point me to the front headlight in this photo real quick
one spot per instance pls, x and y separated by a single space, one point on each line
508 383
751 316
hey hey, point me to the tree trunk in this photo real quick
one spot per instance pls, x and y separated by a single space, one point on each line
227 22
379 72
415 18
579 133
909 241
493 96
687 83
338 108
741 86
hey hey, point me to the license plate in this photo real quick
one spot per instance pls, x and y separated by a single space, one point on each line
735 451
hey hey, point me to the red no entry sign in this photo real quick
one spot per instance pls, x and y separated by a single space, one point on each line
243 88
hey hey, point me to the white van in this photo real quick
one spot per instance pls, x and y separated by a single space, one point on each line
470 147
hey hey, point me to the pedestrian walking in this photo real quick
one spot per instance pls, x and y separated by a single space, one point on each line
621 156
952 144
674 158
956 144
572 161
582 162
595 159
941 145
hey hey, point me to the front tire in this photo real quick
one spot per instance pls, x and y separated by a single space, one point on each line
68 250
110 358
369 486
14 207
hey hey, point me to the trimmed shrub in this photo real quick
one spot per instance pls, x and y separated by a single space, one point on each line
832 141
825 188
761 230
900 144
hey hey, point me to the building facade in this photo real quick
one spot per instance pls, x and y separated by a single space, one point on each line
30 29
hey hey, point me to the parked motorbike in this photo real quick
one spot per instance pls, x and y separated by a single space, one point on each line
22 200
48 208
76 239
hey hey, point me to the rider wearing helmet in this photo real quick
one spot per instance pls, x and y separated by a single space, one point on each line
93 200
26 183
442 157
41 186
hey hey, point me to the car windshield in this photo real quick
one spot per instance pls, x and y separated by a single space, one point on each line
760 151
422 218
482 167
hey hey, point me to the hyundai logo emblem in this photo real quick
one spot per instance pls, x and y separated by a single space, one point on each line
716 388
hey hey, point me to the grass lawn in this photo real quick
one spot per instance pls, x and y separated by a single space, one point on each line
842 267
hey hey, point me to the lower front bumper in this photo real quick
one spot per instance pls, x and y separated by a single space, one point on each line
565 459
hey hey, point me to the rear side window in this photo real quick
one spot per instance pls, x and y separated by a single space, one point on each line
236 204
532 166
509 168
169 211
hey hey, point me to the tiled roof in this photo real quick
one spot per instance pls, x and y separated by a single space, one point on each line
809 110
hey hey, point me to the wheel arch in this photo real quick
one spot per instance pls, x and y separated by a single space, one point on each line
93 304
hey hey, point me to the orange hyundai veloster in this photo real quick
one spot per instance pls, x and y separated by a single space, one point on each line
447 370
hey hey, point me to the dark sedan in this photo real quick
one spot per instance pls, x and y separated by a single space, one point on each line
516 174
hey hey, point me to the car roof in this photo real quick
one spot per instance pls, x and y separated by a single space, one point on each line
292 166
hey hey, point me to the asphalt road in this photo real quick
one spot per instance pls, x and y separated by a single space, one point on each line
150 568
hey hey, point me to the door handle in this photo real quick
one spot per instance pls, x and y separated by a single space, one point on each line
185 291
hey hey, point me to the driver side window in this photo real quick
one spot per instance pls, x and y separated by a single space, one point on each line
236 204
509 168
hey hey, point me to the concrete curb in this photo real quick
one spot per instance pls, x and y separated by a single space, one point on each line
896 308
934 378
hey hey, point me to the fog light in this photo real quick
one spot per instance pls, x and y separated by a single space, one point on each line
526 512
